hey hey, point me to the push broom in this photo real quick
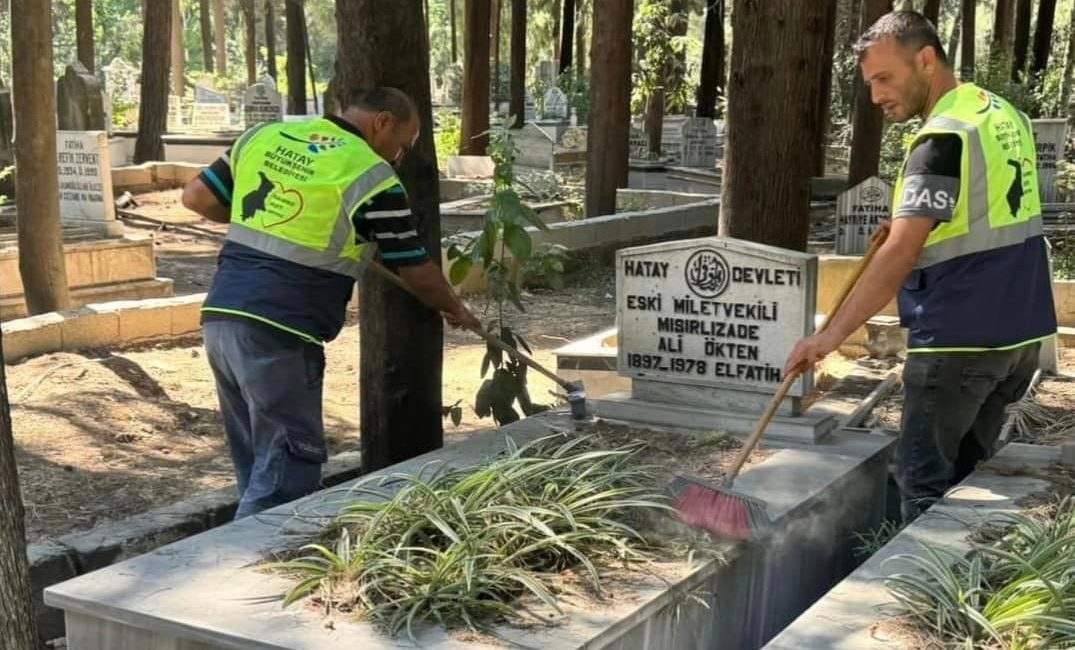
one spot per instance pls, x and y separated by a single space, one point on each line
718 508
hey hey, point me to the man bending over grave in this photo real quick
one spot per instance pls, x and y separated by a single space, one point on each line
965 252
307 198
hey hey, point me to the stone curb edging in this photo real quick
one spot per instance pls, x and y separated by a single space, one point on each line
72 555
103 325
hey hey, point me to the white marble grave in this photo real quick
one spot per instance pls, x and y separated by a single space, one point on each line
556 108
698 148
206 94
1049 136
175 113
210 117
261 103
859 212
639 144
84 167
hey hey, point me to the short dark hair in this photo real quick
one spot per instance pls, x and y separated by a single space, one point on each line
910 29
383 99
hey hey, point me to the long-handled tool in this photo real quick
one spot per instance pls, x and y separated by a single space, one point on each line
721 510
575 390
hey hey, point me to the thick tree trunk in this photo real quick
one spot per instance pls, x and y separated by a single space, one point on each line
1022 38
1043 36
178 67
1002 42
932 10
557 13
518 62
205 18
319 110
220 50
966 54
41 260
16 612
567 36
655 123
1069 67
84 32
824 98
867 120
270 38
773 120
402 341
854 21
953 40
712 76
581 26
475 80
495 20
250 40
296 57
455 38
153 111
610 105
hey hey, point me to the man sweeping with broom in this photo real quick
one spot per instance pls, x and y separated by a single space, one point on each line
965 253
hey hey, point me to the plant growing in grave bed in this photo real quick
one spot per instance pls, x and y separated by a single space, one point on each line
1017 590
462 547
503 232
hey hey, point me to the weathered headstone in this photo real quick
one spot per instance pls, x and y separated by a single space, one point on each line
121 82
699 143
261 103
573 139
672 138
555 105
175 113
210 117
859 212
1049 136
639 144
529 108
79 100
705 326
535 147
470 167
85 174
546 72
206 94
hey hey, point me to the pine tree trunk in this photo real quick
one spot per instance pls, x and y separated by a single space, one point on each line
495 20
455 38
296 57
250 40
867 119
205 18
319 110
84 32
567 36
41 260
220 51
1002 42
153 111
654 124
518 62
953 40
712 76
967 10
1043 36
824 98
1022 38
610 105
16 613
854 21
402 341
270 39
475 80
932 10
178 64
773 120
580 42
1069 67
557 13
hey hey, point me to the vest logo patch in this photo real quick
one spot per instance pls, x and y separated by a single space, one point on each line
317 143
990 100
924 198
280 205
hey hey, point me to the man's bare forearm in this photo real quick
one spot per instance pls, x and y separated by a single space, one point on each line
428 283
876 288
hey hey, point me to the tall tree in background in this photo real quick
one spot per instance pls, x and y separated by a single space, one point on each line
177 50
953 41
475 80
84 32
205 20
581 27
567 36
220 50
153 107
557 14
250 40
455 37
296 57
402 341
966 55
1022 38
270 39
773 119
41 260
867 120
1043 36
518 62
1002 41
1069 65
711 83
16 612
495 21
658 30
610 105
932 10
854 19
825 83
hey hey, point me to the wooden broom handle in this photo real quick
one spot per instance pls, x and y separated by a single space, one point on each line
875 244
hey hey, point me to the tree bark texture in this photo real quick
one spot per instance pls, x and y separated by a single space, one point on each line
854 21
153 111
932 10
953 41
610 105
270 39
567 36
1043 36
495 20
1022 38
475 80
250 40
711 83
824 97
580 41
518 62
220 51
557 13
966 54
178 67
867 120
296 57
84 32
205 19
455 38
1000 53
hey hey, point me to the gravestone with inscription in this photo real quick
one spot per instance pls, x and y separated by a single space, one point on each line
85 174
705 326
555 108
638 144
79 101
859 212
1049 137
698 143
210 117
261 103
175 113
672 138
535 147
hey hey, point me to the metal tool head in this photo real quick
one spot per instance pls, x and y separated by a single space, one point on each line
576 397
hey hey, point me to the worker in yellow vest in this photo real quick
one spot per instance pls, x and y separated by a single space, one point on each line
302 200
965 253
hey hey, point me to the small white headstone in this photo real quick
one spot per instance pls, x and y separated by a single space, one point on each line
699 143
84 167
713 316
204 94
1049 137
175 113
470 167
261 103
859 212
210 117
639 144
672 138
530 108
535 148
555 104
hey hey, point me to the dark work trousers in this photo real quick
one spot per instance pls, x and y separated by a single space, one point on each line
953 410
269 384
